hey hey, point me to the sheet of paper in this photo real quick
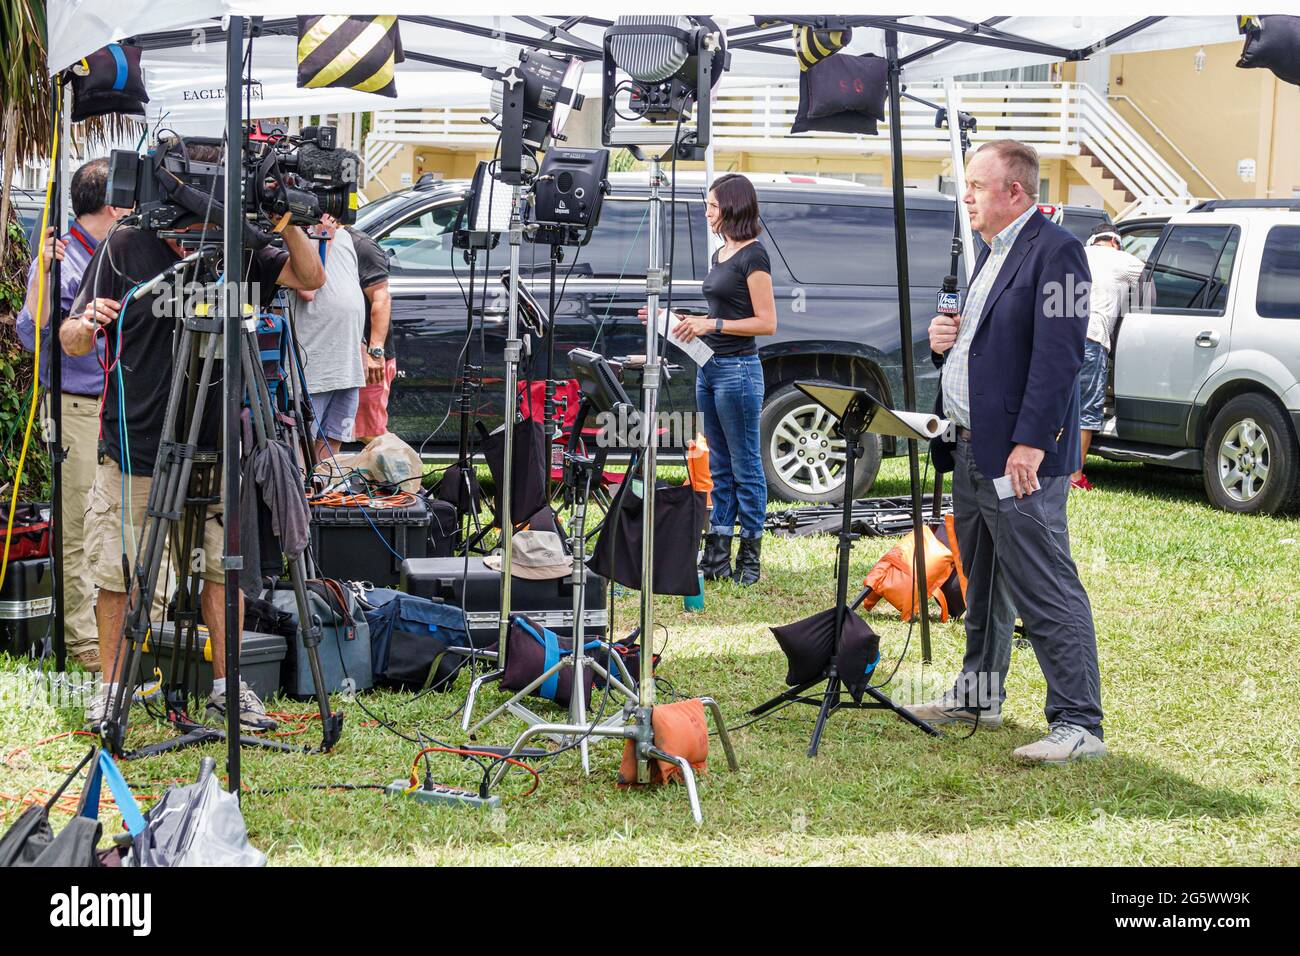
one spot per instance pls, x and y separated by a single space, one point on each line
697 351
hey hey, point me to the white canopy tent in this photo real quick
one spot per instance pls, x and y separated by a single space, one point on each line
190 69
184 54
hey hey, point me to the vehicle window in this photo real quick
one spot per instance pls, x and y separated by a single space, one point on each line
379 208
30 219
1218 294
620 245
1081 224
1192 267
826 244
1139 242
423 242
1279 275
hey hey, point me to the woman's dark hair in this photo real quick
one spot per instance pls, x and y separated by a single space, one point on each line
738 204
90 187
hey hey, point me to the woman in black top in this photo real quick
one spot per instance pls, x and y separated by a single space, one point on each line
729 388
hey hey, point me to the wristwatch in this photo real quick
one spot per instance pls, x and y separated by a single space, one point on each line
717 326
376 351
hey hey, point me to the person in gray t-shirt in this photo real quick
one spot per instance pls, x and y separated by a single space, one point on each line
328 325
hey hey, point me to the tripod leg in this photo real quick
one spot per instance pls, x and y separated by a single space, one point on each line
723 737
888 704
263 419
688 778
830 701
783 697
473 693
532 686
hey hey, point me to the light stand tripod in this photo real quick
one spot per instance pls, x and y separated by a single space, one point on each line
184 485
855 410
636 720
581 472
467 494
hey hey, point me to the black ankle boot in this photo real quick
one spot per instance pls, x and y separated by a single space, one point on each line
716 563
747 571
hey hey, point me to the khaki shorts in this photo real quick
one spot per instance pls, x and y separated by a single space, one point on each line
106 539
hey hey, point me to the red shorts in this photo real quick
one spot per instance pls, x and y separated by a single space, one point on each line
372 406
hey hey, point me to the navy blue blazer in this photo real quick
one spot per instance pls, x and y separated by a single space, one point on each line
1025 358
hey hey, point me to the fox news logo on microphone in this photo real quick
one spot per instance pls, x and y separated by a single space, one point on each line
949 303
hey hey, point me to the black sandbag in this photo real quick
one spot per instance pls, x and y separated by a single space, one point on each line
1274 45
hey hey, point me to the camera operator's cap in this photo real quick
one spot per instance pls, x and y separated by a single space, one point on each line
535 555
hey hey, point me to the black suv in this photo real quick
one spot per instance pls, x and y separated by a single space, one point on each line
833 264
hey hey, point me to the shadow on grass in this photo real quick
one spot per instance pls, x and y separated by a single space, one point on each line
874 774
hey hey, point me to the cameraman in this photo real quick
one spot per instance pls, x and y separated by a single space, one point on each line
139 353
82 381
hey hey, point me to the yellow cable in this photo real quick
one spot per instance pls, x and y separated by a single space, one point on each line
40 311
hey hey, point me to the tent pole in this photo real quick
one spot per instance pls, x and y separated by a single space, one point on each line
232 307
58 216
905 330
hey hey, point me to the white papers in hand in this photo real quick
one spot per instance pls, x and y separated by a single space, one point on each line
697 351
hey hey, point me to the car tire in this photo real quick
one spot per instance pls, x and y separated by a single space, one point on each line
1251 463
799 453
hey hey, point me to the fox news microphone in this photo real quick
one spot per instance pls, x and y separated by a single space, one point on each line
949 298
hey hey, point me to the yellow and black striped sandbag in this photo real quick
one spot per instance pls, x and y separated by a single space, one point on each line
812 46
356 53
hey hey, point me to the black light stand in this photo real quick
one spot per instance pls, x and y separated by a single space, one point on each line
468 383
854 409
582 472
511 173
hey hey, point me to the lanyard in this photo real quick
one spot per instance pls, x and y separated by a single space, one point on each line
75 232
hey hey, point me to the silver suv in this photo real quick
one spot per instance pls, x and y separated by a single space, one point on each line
1207 376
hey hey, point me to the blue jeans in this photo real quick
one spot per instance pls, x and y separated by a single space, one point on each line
729 396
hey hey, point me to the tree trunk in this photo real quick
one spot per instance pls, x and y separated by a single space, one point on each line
11 148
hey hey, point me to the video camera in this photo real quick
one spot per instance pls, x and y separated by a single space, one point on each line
182 179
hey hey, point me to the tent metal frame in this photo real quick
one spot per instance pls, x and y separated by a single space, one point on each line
747 37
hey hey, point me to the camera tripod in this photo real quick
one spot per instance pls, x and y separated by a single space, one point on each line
185 483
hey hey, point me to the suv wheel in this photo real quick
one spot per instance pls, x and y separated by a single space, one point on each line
802 458
1251 459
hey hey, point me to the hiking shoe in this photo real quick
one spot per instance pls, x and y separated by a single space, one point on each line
98 708
252 714
947 710
1081 483
88 658
1063 743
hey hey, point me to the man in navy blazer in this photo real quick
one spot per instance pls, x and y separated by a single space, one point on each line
1009 366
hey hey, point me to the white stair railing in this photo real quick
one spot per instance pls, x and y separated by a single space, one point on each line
1133 162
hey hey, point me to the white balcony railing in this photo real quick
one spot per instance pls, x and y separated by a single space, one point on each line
1058 119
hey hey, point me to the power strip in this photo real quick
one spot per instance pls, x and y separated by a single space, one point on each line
441 794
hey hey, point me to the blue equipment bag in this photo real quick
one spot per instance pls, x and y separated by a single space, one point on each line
409 639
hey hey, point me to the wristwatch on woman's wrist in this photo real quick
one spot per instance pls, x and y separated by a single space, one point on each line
717 326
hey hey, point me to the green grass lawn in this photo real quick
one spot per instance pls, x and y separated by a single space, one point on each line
1198 622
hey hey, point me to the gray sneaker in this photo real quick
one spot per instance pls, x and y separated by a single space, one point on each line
98 708
1063 743
947 710
252 714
